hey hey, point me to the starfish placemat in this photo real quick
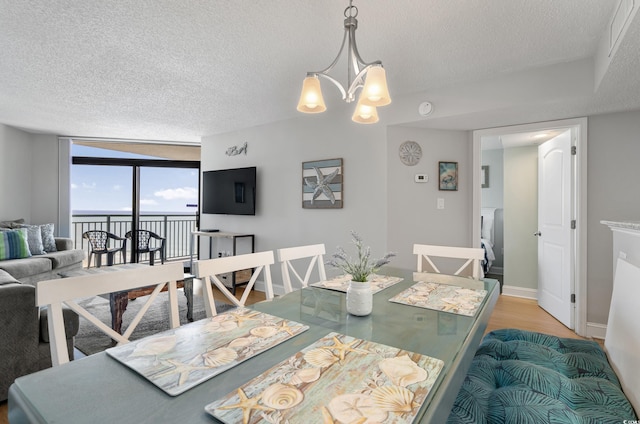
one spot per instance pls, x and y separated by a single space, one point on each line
442 297
179 359
338 379
341 283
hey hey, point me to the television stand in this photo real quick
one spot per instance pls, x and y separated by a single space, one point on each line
238 278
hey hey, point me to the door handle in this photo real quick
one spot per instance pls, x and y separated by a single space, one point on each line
537 234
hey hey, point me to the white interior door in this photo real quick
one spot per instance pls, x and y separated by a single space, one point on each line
555 236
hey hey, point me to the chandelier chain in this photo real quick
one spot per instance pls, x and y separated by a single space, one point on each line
349 10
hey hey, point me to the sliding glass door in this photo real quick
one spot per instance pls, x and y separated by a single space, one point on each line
118 192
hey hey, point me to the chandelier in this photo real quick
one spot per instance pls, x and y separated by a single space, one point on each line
370 77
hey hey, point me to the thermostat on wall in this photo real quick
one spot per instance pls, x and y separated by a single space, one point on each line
421 178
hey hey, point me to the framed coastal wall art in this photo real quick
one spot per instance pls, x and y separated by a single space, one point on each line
448 176
322 183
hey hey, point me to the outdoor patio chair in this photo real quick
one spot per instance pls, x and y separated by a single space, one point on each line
100 244
147 242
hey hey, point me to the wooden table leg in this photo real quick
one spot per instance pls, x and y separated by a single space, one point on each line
188 293
118 303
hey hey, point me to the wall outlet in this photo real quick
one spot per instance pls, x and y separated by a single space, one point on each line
440 203
421 178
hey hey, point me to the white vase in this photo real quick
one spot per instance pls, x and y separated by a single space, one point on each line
359 298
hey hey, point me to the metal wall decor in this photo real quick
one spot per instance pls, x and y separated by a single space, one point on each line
236 150
410 153
322 184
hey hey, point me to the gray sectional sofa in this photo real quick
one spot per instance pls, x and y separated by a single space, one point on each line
23 327
45 267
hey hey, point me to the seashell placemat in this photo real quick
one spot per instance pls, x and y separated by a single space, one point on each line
338 379
442 297
341 283
179 359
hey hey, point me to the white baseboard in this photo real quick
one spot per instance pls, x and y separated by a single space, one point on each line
520 292
597 331
278 289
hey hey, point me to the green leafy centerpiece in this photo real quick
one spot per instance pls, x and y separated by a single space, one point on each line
359 295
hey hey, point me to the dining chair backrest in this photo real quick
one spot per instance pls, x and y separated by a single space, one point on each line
471 257
290 255
210 271
52 294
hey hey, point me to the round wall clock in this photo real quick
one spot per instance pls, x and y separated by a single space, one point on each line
410 153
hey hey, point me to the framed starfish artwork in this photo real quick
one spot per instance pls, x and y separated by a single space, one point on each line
322 182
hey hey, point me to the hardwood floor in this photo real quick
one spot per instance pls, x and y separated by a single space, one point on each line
509 312
525 314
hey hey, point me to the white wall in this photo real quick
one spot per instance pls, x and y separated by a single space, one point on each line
521 217
381 200
278 150
16 173
492 196
29 177
412 212
44 191
614 175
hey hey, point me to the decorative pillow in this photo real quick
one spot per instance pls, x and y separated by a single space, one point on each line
34 239
16 223
13 244
48 240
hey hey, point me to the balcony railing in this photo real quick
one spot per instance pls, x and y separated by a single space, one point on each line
175 228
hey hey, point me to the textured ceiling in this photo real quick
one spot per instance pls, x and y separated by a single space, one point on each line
178 70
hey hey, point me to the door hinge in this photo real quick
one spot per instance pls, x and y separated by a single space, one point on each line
573 298
573 224
574 150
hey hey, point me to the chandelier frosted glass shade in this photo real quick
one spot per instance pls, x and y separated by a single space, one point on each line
365 114
311 100
369 78
375 91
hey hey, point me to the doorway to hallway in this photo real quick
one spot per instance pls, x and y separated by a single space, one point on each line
576 279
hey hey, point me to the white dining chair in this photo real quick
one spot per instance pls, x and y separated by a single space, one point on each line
295 255
52 294
210 270
471 258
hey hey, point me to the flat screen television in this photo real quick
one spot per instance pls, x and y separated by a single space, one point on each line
229 191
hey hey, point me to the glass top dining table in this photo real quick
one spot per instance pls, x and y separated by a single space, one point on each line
100 389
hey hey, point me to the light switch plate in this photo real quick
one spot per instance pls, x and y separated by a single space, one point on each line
440 203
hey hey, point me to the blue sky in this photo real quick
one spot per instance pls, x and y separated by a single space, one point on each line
108 188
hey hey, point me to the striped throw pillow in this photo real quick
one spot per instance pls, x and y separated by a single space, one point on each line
13 244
